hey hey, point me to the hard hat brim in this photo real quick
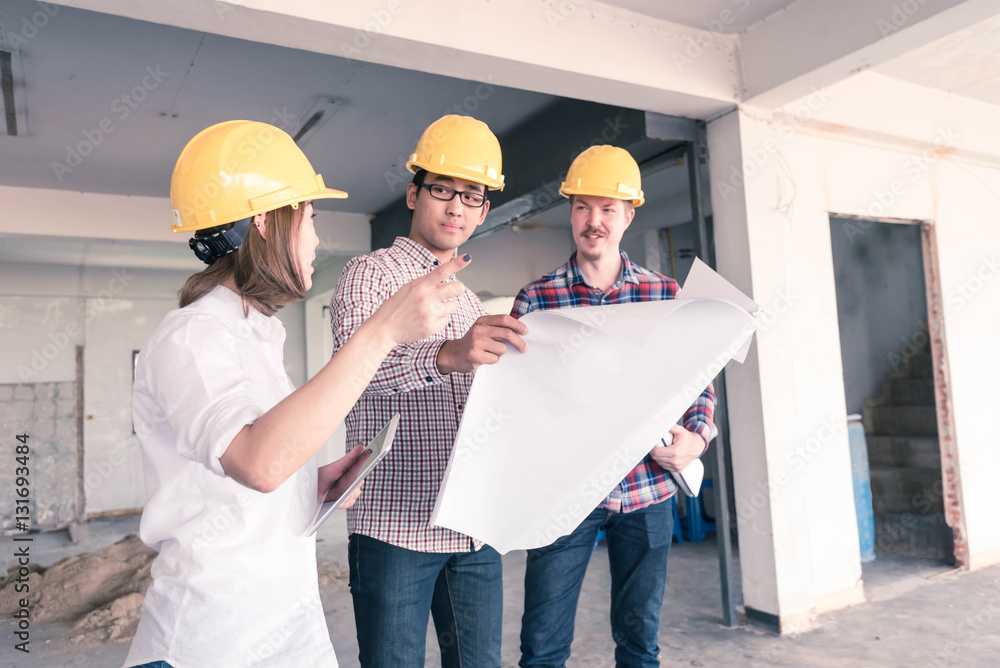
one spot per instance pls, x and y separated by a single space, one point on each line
566 191
324 193
468 175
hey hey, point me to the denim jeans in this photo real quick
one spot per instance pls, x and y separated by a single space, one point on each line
155 664
638 545
394 588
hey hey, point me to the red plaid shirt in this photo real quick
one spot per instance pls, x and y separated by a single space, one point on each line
566 287
398 497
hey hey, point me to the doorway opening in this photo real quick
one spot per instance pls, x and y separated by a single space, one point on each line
895 382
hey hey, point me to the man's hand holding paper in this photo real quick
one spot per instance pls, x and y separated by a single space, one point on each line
686 447
483 344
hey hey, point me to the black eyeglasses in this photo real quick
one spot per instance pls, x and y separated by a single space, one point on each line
446 194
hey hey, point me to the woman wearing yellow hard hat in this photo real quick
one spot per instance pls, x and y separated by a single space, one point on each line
228 443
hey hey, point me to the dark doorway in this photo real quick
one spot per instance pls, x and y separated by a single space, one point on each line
880 272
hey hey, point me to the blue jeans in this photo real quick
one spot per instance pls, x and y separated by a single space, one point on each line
394 588
638 545
155 664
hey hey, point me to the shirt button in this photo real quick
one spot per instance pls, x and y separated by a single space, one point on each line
436 263
460 407
429 379
305 476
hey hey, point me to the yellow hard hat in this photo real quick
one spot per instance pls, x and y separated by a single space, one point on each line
604 171
461 147
237 169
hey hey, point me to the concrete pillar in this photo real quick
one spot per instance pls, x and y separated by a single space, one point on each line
798 536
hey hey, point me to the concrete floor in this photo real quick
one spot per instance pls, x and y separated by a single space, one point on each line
919 613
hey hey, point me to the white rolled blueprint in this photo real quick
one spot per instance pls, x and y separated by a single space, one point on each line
547 434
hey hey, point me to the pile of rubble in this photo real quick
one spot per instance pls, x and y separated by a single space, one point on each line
99 592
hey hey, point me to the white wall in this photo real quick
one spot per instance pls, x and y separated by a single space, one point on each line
48 310
961 199
38 338
294 319
798 540
798 533
505 261
112 456
45 313
969 247
318 339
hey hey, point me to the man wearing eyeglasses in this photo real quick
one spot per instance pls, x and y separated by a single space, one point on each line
400 566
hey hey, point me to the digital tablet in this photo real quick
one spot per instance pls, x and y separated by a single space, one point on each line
372 455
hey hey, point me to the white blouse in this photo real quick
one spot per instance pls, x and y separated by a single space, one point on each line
235 581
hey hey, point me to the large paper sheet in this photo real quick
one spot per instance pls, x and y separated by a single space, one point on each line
546 435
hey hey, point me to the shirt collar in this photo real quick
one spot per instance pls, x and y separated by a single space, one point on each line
627 273
269 327
414 251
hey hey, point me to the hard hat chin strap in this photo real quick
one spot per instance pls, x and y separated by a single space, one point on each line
210 248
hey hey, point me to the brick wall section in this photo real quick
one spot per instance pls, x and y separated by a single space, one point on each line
47 412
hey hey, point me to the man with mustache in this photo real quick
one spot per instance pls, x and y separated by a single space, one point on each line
604 187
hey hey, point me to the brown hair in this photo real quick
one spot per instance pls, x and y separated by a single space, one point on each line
266 271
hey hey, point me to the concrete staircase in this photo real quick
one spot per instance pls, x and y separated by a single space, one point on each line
905 460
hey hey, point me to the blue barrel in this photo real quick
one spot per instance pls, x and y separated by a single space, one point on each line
862 487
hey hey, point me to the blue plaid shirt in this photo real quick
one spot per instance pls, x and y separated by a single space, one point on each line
566 287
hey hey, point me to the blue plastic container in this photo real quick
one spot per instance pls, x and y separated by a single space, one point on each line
862 488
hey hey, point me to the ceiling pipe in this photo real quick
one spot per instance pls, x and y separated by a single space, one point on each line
7 91
315 117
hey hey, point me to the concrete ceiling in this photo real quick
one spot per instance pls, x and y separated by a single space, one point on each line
965 63
79 64
75 66
721 16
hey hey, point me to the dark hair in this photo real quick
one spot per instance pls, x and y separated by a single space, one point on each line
266 271
418 179
421 176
